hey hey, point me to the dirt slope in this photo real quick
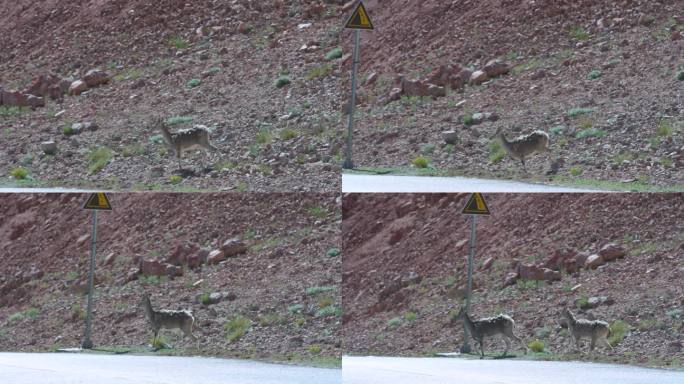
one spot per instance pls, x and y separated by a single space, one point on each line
601 78
291 247
271 138
406 259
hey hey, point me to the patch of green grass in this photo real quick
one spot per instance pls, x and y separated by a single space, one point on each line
618 331
19 173
67 129
295 308
523 284
31 312
680 75
594 74
71 276
420 162
312 291
325 301
175 179
334 54
178 42
176 120
623 156
264 136
536 346
18 316
320 71
468 119
237 327
98 159
410 317
574 112
558 130
428 149
333 252
328 311
128 74
156 139
576 171
527 66
578 33
270 319
314 349
591 132
194 83
394 322
664 128
666 162
224 164
496 152
158 342
317 212
136 149
586 122
288 134
282 81
13 111
583 302
674 313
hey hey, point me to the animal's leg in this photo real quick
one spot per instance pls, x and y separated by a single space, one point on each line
522 160
482 348
593 343
508 344
605 341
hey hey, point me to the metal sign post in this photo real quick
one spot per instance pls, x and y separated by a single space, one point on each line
359 20
96 201
476 205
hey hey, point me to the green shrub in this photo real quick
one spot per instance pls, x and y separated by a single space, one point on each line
674 313
15 317
325 301
194 83
320 71
312 291
618 331
31 312
664 128
420 162
269 319
496 152
328 311
583 302
680 75
68 129
19 173
468 119
264 136
576 171
333 252
205 299
175 120
591 132
98 159
178 42
282 81
317 212
237 327
158 342
427 149
314 349
12 111
558 130
394 322
578 33
133 150
594 74
175 179
334 54
536 346
410 317
295 308
287 134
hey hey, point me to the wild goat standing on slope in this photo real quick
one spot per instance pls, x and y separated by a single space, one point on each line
185 139
595 330
490 326
524 146
169 319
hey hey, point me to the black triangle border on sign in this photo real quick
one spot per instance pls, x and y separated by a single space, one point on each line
349 24
95 204
467 211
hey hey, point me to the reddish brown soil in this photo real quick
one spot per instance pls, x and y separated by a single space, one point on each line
246 45
636 95
403 253
289 239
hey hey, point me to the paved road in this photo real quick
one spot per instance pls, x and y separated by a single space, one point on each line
390 183
381 370
67 368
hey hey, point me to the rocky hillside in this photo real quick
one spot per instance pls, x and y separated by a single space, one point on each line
261 76
261 273
603 79
406 261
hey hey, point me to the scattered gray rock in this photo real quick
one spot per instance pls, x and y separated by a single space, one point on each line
450 137
48 147
78 87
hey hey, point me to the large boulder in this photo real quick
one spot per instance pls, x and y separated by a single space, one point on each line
78 87
612 251
216 256
593 261
478 77
496 68
96 77
233 247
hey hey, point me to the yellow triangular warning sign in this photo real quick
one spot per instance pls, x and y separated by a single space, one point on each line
98 200
359 18
476 205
